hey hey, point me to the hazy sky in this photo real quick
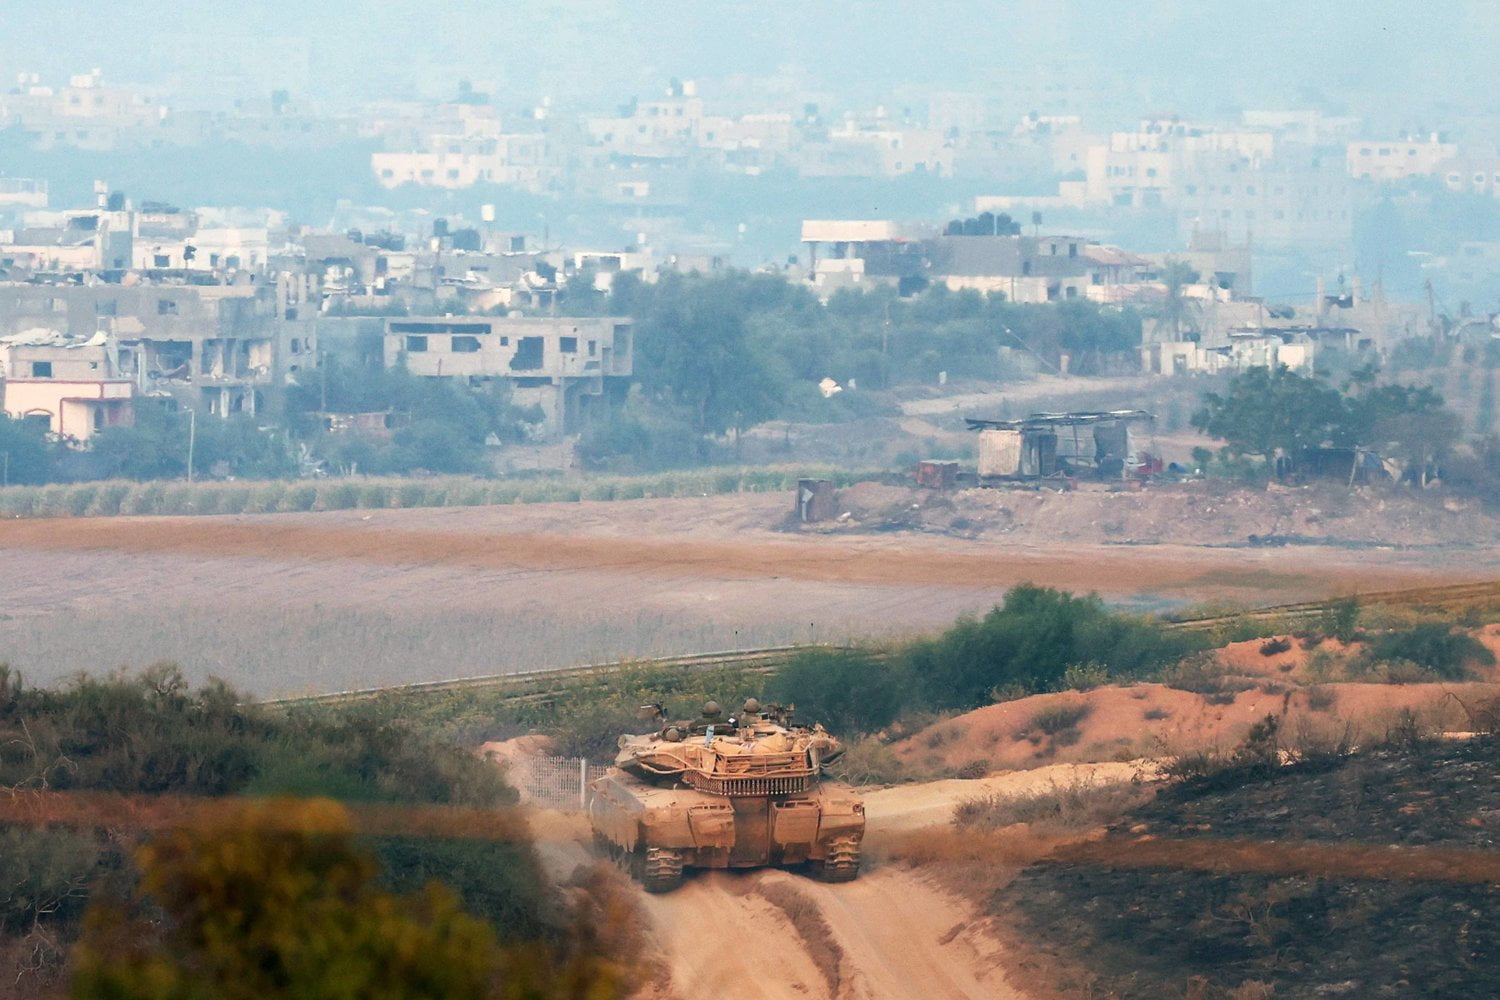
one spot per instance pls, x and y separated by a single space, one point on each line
1191 55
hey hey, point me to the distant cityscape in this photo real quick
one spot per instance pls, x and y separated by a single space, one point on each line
218 308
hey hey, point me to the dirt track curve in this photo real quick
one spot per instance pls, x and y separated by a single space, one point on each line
894 933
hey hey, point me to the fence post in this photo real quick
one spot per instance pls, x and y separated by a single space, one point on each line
583 783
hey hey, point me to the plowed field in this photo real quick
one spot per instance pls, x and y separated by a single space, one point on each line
293 603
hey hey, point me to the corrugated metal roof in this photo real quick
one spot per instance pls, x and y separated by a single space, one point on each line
1073 419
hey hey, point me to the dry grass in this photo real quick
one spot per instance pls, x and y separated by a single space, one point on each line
1079 804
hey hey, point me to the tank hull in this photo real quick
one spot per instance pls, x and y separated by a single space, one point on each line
660 831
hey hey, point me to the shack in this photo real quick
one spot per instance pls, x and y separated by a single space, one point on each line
1093 444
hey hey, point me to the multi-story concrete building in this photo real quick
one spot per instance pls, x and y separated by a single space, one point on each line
84 114
566 366
219 349
1302 197
68 383
464 161
856 253
1144 168
1383 162
22 192
1471 175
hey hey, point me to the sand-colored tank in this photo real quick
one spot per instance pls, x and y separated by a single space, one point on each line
741 792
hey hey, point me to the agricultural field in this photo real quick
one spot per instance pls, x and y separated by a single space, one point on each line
292 603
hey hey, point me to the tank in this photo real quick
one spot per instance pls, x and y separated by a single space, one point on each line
739 792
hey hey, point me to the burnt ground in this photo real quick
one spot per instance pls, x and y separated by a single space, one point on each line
1143 933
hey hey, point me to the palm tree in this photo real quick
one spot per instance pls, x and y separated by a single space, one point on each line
1176 311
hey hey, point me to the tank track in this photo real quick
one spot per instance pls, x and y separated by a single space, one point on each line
661 870
841 863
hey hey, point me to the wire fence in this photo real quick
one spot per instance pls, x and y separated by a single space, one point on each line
557 782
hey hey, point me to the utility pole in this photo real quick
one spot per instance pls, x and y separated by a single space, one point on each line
192 434
7 469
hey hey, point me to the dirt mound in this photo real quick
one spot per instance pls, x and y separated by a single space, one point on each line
1153 720
1195 513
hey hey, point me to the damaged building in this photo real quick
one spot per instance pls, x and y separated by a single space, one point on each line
566 366
69 384
1098 445
216 348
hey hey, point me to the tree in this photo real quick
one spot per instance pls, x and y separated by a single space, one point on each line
1175 309
1407 422
156 446
694 349
1029 642
272 899
847 691
1268 411
24 456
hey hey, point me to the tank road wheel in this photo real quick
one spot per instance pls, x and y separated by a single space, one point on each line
840 863
662 871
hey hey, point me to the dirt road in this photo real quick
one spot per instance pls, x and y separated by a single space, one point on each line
890 934
894 936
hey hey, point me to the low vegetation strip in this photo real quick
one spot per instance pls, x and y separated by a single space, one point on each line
1406 863
543 685
113 498
94 810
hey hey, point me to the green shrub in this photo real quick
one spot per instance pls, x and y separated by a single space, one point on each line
80 500
144 498
413 495
179 498
871 762
1031 640
375 495
1433 646
340 496
599 490
19 501
468 495
207 499
264 498
234 499
107 500
150 734
298 498
849 691
1085 676
1320 698
1059 718
54 502
1340 619
1204 673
